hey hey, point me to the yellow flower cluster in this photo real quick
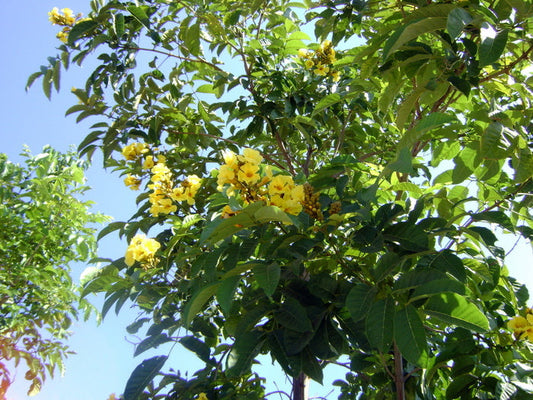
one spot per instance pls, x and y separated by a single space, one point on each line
321 60
202 396
244 174
64 18
133 151
142 249
164 193
522 327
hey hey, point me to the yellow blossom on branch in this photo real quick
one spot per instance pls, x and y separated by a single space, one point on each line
65 17
142 249
133 182
522 327
133 151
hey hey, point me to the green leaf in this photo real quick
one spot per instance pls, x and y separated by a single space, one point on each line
406 33
457 20
113 226
192 39
311 367
446 261
140 15
196 346
359 299
142 375
267 276
151 342
494 144
438 286
457 310
326 101
523 165
292 315
386 264
496 217
460 386
226 292
403 162
81 29
272 214
119 25
432 121
410 237
492 44
197 301
246 347
410 336
380 324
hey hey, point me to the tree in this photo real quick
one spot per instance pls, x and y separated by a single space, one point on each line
45 227
321 182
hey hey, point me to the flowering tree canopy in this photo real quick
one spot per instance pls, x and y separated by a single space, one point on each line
319 181
45 227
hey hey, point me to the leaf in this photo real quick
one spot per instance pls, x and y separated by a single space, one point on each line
426 124
272 214
380 324
292 315
446 261
80 29
496 217
403 162
438 286
410 237
359 300
246 347
406 33
311 367
198 300
196 346
404 110
140 15
113 226
151 342
523 165
457 20
492 44
326 101
142 375
386 264
267 276
226 292
192 39
457 310
410 336
460 385
494 144
119 25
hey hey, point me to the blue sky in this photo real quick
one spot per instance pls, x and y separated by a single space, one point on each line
104 358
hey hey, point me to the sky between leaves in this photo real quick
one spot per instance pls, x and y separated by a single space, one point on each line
104 358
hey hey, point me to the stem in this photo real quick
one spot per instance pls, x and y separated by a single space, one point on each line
300 386
399 380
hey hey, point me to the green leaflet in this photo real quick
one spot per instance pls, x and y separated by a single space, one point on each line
456 310
410 337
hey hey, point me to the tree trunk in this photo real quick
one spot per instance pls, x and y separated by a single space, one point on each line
399 380
300 386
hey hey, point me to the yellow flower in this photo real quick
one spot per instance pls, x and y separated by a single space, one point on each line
133 151
226 174
141 249
230 158
227 212
133 182
309 64
280 184
67 19
162 205
335 75
148 162
160 173
251 156
325 45
202 396
304 53
248 173
63 35
321 69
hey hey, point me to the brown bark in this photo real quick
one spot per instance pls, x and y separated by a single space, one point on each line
300 386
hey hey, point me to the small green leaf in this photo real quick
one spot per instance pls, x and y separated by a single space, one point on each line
359 299
326 101
406 33
196 346
380 324
272 214
409 237
142 375
410 336
292 315
151 342
140 15
457 20
198 300
457 310
460 385
267 276
494 144
311 367
496 217
81 29
492 44
246 347
226 292
119 25
403 162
